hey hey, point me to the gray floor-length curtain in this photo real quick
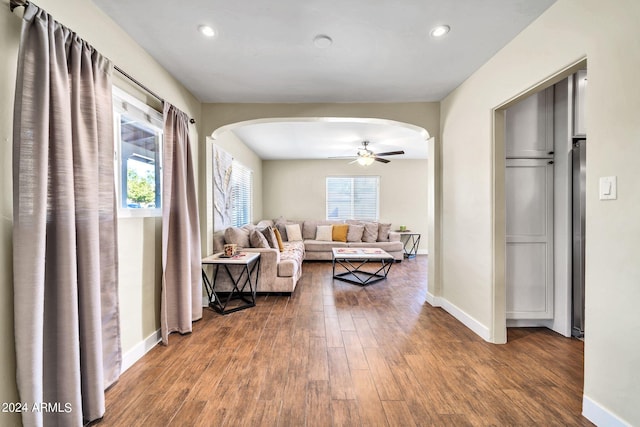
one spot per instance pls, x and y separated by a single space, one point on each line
181 254
64 227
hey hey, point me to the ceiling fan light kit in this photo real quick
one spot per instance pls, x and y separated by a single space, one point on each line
366 157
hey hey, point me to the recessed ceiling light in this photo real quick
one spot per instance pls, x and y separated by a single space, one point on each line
440 31
322 41
206 30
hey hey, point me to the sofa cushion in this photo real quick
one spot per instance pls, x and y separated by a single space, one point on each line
278 239
383 232
324 233
258 240
339 232
370 233
322 246
291 259
237 235
293 232
355 233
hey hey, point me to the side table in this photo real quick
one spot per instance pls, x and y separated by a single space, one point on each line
243 271
411 242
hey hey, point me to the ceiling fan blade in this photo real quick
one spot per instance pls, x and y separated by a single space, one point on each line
381 160
342 157
390 153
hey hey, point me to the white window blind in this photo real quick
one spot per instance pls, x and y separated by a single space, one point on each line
353 197
242 188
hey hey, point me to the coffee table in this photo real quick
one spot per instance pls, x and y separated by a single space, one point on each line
362 266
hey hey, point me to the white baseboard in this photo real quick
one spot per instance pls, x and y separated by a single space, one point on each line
142 348
460 315
433 300
599 415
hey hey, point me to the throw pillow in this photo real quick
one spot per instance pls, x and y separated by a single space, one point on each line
383 232
339 232
258 240
281 224
270 235
324 233
293 232
239 236
370 233
279 239
355 233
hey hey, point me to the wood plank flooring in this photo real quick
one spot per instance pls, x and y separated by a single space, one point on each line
335 354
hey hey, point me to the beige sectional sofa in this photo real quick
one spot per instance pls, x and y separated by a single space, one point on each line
280 270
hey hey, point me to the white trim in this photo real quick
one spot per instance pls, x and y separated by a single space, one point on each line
139 350
599 415
467 320
460 315
433 300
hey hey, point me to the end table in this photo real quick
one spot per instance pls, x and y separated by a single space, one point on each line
243 270
411 242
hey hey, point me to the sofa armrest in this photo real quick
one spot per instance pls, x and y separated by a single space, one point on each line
394 236
269 259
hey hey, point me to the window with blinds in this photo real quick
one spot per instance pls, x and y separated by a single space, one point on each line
353 197
242 189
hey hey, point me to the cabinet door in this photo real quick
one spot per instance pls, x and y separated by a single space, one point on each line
579 103
529 252
529 126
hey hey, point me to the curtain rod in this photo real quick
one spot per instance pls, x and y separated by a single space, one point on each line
13 4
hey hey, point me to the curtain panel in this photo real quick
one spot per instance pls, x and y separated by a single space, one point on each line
181 301
64 227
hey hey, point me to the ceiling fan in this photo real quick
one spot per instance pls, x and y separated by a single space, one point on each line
365 156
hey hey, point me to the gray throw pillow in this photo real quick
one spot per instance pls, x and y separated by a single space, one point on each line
258 240
370 232
281 225
355 233
239 236
270 235
383 232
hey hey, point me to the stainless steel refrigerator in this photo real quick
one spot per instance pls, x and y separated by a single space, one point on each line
579 152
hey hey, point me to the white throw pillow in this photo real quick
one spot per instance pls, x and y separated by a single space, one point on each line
293 232
324 233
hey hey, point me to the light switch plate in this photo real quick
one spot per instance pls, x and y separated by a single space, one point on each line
608 188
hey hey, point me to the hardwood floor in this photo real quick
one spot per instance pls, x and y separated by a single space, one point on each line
335 354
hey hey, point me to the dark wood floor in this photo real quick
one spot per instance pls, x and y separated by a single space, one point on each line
335 354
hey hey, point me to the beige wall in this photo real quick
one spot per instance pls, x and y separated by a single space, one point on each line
606 33
139 238
296 189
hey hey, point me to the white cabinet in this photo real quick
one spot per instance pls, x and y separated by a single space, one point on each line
529 126
579 103
529 238
529 187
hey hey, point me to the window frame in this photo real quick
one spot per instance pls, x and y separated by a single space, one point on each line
155 120
352 201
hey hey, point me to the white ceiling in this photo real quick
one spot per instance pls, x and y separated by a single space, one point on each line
264 52
323 137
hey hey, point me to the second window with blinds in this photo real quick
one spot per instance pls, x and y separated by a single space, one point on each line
242 191
353 197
